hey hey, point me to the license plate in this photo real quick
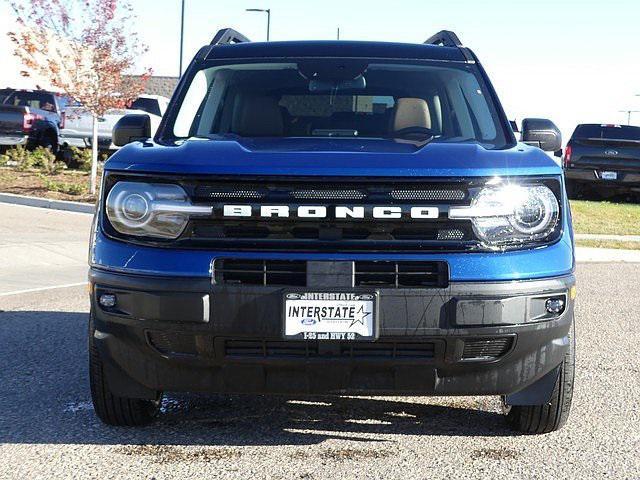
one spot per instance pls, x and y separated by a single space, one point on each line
330 316
609 175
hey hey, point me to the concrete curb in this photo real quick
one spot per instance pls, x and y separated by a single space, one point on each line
77 207
615 238
606 255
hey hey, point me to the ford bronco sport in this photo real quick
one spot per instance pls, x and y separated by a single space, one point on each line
331 217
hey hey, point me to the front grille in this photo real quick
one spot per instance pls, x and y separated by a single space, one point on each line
260 272
344 218
401 274
308 349
293 273
486 348
330 233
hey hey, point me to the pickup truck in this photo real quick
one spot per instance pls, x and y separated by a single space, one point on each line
31 118
335 218
78 130
604 158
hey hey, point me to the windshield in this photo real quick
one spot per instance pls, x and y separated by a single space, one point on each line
614 132
38 100
425 101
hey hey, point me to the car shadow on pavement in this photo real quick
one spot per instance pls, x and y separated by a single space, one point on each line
44 398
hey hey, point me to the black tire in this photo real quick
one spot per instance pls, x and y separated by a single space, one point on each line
113 409
50 143
66 156
551 416
574 190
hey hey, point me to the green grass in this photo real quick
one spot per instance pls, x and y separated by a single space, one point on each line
608 244
605 217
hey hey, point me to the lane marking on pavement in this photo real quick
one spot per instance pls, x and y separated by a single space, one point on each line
42 289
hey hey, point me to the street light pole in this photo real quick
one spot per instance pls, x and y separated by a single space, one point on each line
629 112
268 12
181 36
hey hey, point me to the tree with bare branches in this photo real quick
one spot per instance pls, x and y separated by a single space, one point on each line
83 48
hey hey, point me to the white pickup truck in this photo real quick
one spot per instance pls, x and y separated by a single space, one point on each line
78 126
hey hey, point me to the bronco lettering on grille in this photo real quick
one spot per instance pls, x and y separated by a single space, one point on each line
321 211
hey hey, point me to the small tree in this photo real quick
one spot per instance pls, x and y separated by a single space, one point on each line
84 48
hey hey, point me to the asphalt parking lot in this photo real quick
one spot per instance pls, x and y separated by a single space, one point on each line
48 429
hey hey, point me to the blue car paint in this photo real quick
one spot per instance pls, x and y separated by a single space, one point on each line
326 157
340 158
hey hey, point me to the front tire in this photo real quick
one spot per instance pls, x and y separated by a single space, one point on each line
113 409
551 416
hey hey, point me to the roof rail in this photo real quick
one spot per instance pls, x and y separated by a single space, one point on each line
228 36
444 38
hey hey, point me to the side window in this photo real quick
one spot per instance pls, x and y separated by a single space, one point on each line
191 105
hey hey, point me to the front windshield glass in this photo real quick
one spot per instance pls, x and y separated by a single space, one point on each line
427 101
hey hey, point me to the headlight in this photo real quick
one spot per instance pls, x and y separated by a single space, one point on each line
511 214
151 209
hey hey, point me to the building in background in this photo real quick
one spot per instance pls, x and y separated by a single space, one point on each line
159 85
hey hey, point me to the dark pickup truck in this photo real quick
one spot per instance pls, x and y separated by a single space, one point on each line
31 118
604 158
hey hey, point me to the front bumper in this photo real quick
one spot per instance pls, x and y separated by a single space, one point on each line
177 334
625 181
13 140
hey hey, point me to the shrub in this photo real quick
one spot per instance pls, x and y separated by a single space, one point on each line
79 158
63 187
45 160
21 157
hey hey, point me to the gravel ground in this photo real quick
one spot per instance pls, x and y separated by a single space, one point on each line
48 429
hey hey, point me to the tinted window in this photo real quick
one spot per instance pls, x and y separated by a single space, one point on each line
340 97
148 105
4 93
614 132
40 100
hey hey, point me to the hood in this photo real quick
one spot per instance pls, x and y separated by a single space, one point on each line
331 157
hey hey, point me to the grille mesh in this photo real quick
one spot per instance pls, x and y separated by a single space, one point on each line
450 234
314 194
445 195
222 194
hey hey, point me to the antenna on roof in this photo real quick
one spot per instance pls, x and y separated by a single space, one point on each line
229 36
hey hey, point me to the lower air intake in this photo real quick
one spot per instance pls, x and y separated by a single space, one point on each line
173 343
486 348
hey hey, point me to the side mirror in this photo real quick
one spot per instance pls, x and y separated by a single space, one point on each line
541 133
131 128
558 153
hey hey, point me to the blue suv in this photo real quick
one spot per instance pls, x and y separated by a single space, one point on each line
331 217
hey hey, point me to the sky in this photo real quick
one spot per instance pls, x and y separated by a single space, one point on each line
573 61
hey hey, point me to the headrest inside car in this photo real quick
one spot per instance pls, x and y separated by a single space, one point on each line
411 112
257 116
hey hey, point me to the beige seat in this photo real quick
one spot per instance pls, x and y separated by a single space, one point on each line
257 116
411 112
